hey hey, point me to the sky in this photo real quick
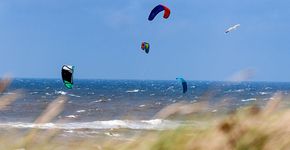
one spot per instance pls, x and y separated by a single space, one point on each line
102 39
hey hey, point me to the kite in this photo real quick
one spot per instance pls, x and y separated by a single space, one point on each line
145 47
67 75
184 84
232 28
157 10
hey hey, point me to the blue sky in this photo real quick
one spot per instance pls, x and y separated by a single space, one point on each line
102 39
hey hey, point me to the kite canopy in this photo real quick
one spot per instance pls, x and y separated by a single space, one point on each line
145 47
67 75
184 84
232 28
157 10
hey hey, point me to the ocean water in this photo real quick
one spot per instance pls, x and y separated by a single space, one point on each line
100 105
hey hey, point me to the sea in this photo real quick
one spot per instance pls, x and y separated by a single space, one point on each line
99 107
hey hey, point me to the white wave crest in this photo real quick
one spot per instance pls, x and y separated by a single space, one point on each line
133 91
156 124
60 92
250 99
8 93
81 111
142 106
73 95
71 116
263 93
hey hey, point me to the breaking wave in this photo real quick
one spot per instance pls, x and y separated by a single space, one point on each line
156 124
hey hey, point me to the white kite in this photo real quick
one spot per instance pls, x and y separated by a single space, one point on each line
232 28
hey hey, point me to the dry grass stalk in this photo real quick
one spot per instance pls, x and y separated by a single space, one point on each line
8 99
4 83
52 110
181 108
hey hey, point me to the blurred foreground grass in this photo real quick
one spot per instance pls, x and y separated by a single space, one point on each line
249 128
